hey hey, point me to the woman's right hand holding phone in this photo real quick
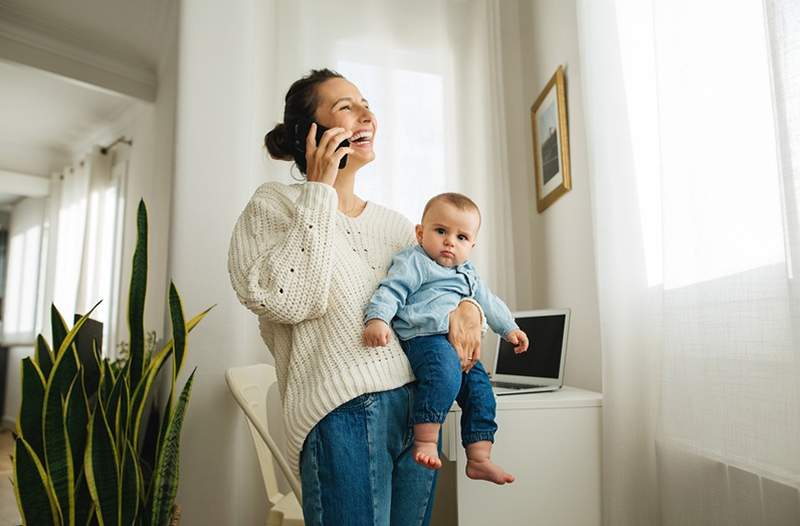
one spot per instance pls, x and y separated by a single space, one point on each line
322 160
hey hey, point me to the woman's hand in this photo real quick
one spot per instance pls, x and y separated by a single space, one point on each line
322 161
465 334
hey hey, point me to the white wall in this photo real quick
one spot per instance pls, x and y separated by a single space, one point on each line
537 36
150 172
221 120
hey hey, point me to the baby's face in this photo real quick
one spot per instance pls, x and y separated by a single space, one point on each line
447 233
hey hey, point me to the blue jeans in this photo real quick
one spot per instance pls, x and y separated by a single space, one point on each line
440 381
356 467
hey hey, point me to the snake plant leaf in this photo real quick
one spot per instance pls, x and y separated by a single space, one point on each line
111 409
136 297
77 419
107 382
178 329
130 487
58 459
102 469
29 423
68 509
92 520
69 339
142 391
91 366
83 500
121 417
35 498
148 451
92 372
44 356
165 478
59 328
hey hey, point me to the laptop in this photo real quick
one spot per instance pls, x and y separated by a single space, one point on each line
541 368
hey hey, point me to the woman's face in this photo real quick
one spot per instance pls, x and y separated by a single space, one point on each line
341 105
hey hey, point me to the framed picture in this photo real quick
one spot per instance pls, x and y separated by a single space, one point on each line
550 142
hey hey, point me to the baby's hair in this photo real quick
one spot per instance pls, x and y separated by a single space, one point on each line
460 201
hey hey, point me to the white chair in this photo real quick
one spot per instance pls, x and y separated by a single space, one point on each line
249 386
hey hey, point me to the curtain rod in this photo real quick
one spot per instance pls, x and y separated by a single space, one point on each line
104 149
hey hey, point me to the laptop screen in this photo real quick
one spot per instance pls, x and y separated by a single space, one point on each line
543 359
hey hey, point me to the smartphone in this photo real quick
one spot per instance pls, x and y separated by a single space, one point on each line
301 132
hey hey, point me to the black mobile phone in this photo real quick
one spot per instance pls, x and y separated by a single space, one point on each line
301 132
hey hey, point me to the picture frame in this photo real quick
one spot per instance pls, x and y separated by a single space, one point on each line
551 142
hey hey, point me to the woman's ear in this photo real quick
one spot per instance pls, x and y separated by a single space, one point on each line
418 230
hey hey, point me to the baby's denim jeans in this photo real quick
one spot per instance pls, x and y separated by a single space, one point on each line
440 381
356 466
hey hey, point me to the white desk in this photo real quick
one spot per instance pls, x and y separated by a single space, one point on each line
551 443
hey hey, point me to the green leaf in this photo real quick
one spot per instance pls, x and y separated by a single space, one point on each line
130 489
102 469
123 408
147 454
107 380
68 511
59 328
136 298
77 419
44 356
58 459
165 480
91 371
178 329
142 391
83 500
112 406
57 456
29 423
35 498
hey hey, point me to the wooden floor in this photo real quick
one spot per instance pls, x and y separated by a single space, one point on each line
8 503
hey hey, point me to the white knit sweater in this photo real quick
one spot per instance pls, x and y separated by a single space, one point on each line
307 271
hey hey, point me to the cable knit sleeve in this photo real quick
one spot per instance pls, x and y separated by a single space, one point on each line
281 252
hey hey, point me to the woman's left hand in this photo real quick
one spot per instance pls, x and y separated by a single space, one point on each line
465 334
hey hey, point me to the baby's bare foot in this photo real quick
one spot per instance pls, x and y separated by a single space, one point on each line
426 454
488 470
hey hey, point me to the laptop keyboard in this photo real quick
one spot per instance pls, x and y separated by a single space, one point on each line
508 385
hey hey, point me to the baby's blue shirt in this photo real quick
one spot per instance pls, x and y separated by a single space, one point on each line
417 296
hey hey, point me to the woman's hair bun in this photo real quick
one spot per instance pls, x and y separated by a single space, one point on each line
278 143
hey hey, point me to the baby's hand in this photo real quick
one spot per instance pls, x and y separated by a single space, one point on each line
376 333
519 339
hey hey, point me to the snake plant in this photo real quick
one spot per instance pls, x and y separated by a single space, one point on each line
102 450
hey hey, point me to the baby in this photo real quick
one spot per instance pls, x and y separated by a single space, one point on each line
423 285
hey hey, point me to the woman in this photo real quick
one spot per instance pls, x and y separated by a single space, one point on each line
306 258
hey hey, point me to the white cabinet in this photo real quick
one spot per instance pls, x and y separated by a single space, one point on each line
551 443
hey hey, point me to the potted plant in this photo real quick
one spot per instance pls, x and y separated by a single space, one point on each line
99 449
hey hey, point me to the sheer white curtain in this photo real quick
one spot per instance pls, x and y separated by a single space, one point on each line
22 283
84 251
696 236
428 70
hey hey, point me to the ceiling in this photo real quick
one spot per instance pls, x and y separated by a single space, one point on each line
46 115
129 31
